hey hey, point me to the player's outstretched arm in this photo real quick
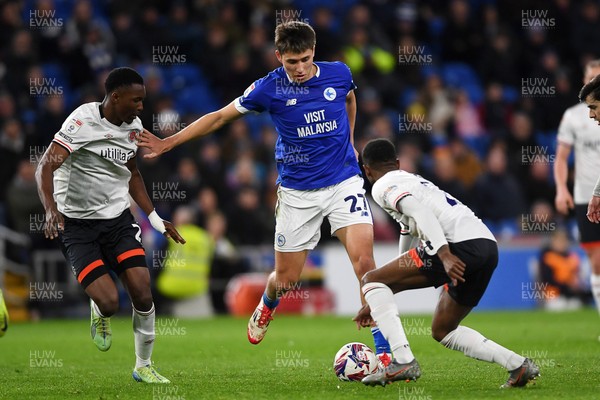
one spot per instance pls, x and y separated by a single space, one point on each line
53 158
200 127
139 194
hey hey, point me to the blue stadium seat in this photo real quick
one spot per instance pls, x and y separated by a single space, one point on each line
197 99
182 76
510 94
459 75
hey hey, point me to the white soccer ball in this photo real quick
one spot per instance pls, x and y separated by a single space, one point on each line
354 361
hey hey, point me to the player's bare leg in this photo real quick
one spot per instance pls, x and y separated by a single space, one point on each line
358 241
104 302
593 254
288 267
447 330
400 274
137 283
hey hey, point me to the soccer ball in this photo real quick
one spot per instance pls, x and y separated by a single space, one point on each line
354 361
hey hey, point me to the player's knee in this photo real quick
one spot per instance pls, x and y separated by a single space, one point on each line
108 305
142 301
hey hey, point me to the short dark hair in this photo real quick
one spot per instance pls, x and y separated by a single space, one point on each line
378 152
294 37
123 76
592 87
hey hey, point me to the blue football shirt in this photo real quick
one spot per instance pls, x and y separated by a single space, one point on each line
313 148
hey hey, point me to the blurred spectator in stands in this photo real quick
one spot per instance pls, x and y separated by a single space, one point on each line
467 164
7 106
536 43
369 105
98 47
365 57
359 16
245 172
497 195
264 148
444 175
89 43
499 61
227 262
127 39
23 202
585 31
537 185
187 179
183 33
550 108
521 145
252 223
237 140
49 36
440 109
153 31
212 167
204 204
559 274
10 19
19 58
411 154
258 43
467 122
239 74
50 120
381 127
495 112
411 57
184 277
461 41
217 44
323 22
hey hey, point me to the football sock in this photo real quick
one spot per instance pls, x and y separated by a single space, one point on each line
143 333
269 302
385 313
381 345
473 344
97 310
595 285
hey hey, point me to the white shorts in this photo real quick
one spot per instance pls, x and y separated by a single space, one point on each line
299 213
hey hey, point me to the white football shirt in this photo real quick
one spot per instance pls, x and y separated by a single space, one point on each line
457 221
93 182
577 129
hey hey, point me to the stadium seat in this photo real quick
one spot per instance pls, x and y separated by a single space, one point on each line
459 75
182 76
197 99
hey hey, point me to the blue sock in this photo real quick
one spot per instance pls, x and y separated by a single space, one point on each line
381 345
273 303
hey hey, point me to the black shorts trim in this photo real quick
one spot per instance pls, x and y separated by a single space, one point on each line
589 233
480 257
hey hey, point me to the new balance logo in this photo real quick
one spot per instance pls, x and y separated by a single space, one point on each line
291 102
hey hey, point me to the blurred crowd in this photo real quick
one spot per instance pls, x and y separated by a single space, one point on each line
472 92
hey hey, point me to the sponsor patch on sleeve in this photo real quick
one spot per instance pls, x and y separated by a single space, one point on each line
73 126
65 137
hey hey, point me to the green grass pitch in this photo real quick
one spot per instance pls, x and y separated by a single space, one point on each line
212 359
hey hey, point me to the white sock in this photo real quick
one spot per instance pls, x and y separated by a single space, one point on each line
96 309
475 345
595 286
385 313
143 334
